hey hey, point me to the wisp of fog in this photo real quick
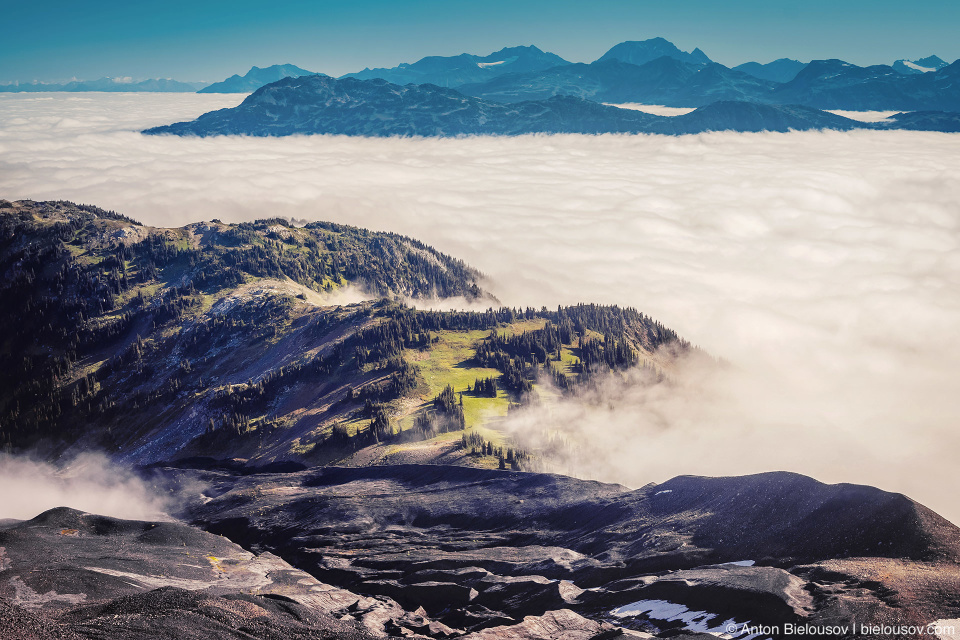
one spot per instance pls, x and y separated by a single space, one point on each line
88 482
823 265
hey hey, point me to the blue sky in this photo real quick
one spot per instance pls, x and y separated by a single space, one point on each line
58 39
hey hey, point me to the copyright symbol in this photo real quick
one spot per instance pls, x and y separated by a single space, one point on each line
731 628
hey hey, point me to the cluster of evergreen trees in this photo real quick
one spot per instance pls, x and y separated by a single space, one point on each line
614 352
485 388
480 447
445 415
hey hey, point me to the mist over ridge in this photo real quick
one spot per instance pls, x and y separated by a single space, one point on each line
822 265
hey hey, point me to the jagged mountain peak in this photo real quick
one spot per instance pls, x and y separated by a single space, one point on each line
255 78
923 65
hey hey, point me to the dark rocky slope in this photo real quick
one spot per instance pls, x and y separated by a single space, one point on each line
477 547
67 574
434 551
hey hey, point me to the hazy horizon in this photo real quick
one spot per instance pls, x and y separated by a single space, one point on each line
209 41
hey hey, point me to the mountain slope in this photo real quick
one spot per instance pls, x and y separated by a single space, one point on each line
453 71
255 78
141 322
250 341
80 575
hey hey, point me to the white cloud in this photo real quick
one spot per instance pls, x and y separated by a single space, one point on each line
825 266
864 116
89 482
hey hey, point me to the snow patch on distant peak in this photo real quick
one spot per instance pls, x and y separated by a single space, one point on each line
864 116
654 109
487 65
914 65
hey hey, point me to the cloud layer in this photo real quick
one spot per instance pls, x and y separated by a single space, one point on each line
824 266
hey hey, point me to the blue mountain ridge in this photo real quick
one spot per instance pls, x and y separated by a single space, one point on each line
822 84
255 78
835 84
666 80
323 105
782 70
453 71
111 85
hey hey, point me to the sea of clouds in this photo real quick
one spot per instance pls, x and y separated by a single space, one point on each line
823 265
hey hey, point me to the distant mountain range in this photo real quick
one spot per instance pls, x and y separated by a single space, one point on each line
157 85
323 105
454 71
255 78
822 84
666 81
653 71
